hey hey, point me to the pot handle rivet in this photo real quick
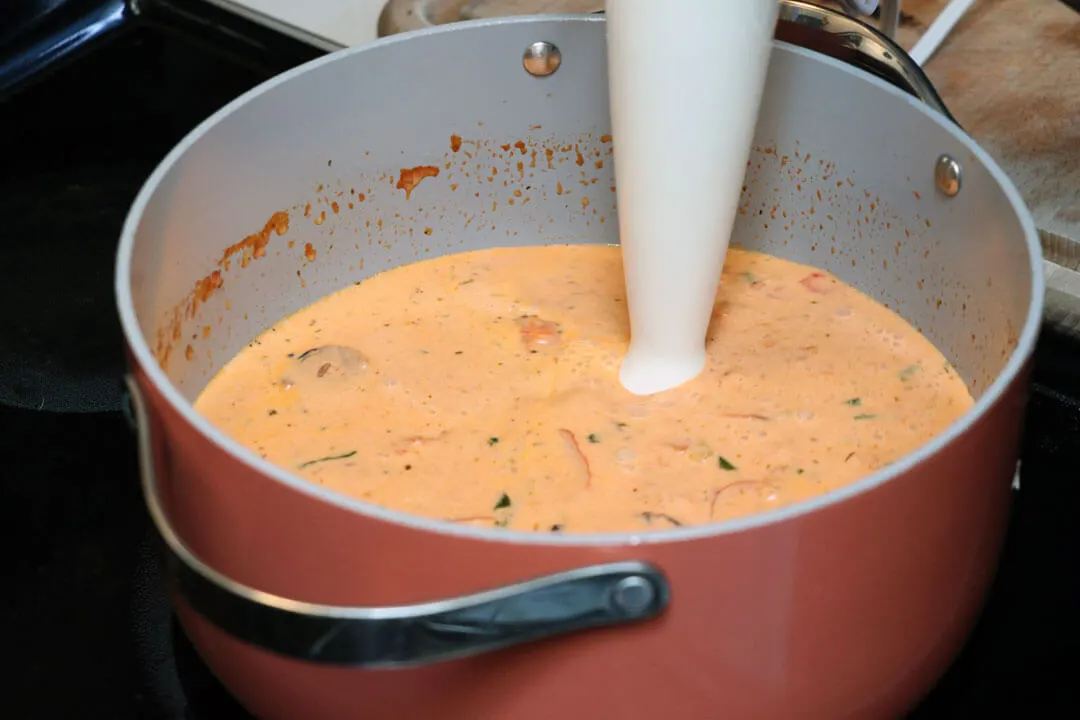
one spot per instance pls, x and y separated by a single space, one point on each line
633 595
541 59
948 175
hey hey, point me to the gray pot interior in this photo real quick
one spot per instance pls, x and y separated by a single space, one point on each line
842 177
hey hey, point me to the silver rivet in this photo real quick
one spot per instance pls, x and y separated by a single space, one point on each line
948 175
633 595
541 59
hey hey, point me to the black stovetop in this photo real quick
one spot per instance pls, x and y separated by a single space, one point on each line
87 628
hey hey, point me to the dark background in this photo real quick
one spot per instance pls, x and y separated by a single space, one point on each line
74 149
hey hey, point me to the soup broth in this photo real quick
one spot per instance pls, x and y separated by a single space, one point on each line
482 388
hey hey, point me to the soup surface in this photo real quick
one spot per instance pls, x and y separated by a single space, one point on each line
482 388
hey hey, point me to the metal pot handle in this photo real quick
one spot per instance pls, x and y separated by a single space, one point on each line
408 635
851 41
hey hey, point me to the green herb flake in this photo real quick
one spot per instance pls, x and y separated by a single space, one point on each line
865 416
853 402
799 471
750 277
909 372
328 458
724 463
593 438
504 502
493 440
648 517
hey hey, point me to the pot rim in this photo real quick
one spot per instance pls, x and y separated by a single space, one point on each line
144 359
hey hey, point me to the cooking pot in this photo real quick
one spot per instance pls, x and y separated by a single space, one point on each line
308 604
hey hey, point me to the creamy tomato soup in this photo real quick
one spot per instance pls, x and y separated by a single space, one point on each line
482 388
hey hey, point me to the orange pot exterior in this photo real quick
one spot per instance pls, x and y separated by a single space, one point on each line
850 611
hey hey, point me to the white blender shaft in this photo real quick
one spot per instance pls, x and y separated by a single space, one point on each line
685 80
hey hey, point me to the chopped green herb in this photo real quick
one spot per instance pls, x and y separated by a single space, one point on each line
493 440
466 282
907 373
620 425
504 502
557 527
271 412
865 416
750 277
799 471
328 458
724 463
853 402
593 438
648 517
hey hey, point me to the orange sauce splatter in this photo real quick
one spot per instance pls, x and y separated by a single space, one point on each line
411 177
205 287
309 252
250 248
254 246
455 142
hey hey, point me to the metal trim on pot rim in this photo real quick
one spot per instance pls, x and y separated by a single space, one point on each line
594 596
405 636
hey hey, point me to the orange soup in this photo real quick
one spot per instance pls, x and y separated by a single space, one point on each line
482 388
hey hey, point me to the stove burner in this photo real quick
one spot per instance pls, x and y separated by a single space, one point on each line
62 347
67 179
